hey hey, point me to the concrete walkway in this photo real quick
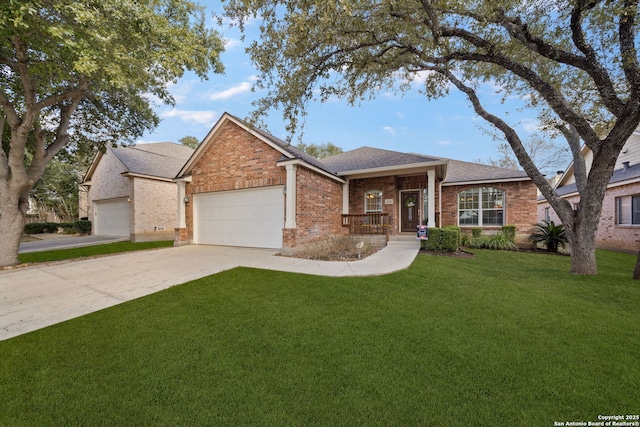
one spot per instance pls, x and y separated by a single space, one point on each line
41 295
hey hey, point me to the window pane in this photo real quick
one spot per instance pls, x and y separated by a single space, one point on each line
468 199
635 211
469 217
624 210
373 201
492 217
492 198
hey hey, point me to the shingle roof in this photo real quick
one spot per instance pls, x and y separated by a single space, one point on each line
624 174
162 159
459 171
372 158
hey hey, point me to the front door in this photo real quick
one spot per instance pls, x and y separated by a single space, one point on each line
409 211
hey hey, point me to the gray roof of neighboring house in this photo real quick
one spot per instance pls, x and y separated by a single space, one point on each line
161 159
372 158
619 175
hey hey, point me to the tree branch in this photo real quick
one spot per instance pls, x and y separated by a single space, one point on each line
627 47
512 138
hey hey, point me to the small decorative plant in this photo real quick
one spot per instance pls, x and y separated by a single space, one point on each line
549 235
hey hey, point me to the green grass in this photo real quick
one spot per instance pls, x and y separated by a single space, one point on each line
503 339
88 251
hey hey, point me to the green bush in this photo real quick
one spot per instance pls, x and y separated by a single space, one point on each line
476 231
67 227
496 242
458 231
82 227
442 240
41 227
510 232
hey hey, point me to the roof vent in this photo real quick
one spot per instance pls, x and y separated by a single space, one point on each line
626 165
559 172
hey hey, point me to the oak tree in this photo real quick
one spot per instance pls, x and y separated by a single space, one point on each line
77 74
575 62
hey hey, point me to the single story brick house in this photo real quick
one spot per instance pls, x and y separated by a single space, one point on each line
245 187
130 192
619 227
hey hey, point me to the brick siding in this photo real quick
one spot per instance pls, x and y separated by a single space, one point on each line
154 209
318 207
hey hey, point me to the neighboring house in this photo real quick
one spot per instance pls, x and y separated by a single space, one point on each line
619 227
130 192
244 187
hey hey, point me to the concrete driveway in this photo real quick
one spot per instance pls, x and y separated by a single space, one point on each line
41 295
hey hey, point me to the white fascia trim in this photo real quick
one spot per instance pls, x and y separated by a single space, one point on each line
140 175
183 179
311 167
485 181
397 168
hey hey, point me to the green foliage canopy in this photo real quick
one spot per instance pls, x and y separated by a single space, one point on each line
87 72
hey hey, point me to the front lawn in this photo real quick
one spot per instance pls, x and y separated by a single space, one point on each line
503 339
89 251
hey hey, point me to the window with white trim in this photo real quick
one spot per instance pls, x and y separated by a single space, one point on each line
481 206
628 210
373 201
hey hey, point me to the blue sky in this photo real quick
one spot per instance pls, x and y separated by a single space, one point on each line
446 127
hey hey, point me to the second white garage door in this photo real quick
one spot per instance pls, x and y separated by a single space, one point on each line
251 218
111 218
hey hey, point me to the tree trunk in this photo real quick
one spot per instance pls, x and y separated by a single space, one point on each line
582 241
636 270
583 257
12 220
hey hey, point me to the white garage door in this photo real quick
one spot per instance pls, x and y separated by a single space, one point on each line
252 218
111 218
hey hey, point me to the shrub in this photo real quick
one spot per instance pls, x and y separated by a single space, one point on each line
67 227
458 231
476 231
82 227
41 227
509 232
496 242
549 235
442 240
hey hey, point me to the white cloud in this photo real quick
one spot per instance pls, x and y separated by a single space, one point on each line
443 142
202 117
399 115
389 130
530 125
230 43
233 91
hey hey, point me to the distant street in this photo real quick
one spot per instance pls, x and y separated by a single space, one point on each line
52 242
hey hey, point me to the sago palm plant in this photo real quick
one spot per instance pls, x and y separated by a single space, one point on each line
550 235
